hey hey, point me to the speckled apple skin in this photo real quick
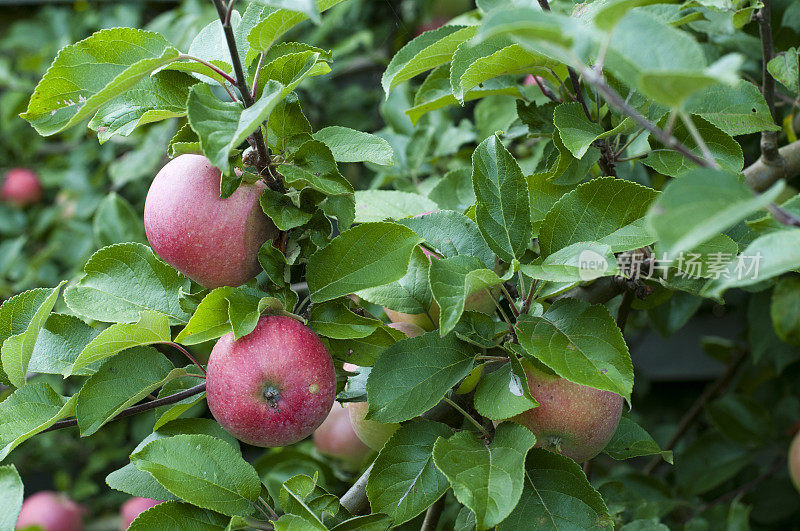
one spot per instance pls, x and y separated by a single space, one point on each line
21 186
373 433
578 419
336 437
133 507
280 353
51 511
794 461
213 241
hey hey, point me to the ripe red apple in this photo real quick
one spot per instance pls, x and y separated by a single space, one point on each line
131 509
336 438
21 187
574 420
51 511
794 461
213 241
272 387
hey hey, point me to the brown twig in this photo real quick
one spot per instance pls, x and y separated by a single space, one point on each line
433 514
624 309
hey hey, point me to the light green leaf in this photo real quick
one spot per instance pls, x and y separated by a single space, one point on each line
451 234
404 481
500 395
334 319
177 516
785 310
115 221
421 370
86 75
30 410
603 210
486 478
313 166
349 145
580 342
202 470
700 205
11 502
454 191
166 414
21 319
368 255
784 68
579 262
276 23
152 327
306 7
123 280
410 294
381 205
575 130
631 440
119 383
503 211
736 109
61 340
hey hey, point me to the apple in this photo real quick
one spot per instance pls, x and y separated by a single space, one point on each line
794 461
51 511
21 187
213 241
409 329
574 420
336 438
273 387
131 509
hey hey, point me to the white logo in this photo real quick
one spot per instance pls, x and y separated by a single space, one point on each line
591 265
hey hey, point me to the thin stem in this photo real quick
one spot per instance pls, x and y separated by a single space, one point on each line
596 80
510 300
139 408
546 90
630 141
433 514
783 216
765 31
492 358
687 120
576 84
185 353
216 69
624 309
258 74
468 417
526 306
502 312
230 11
265 504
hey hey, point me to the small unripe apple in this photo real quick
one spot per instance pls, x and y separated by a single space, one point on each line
133 507
409 329
373 433
575 420
794 461
336 438
21 187
51 511
213 241
272 387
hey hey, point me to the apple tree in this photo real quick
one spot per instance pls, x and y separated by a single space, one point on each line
551 180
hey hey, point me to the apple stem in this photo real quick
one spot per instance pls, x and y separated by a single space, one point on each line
468 417
187 354
267 506
502 314
510 300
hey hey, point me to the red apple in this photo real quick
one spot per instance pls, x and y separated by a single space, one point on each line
21 187
51 511
574 420
131 509
336 438
213 241
273 387
794 461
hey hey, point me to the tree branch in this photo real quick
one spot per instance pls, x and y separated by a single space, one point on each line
433 514
355 499
765 31
139 408
770 168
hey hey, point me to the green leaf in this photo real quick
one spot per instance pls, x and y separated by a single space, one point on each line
736 109
123 280
453 281
291 68
297 496
693 472
605 15
306 7
603 210
202 470
369 522
115 221
766 257
88 74
166 414
487 479
177 516
11 502
502 212
368 255
451 234
784 68
700 205
223 126
276 23
152 327
765 345
61 340
575 130
155 98
500 395
578 262
404 481
185 141
349 145
454 191
381 205
543 194
724 149
557 495
30 410
580 342
282 211
334 319
21 319
411 294
785 310
631 440
429 50
421 370
313 166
